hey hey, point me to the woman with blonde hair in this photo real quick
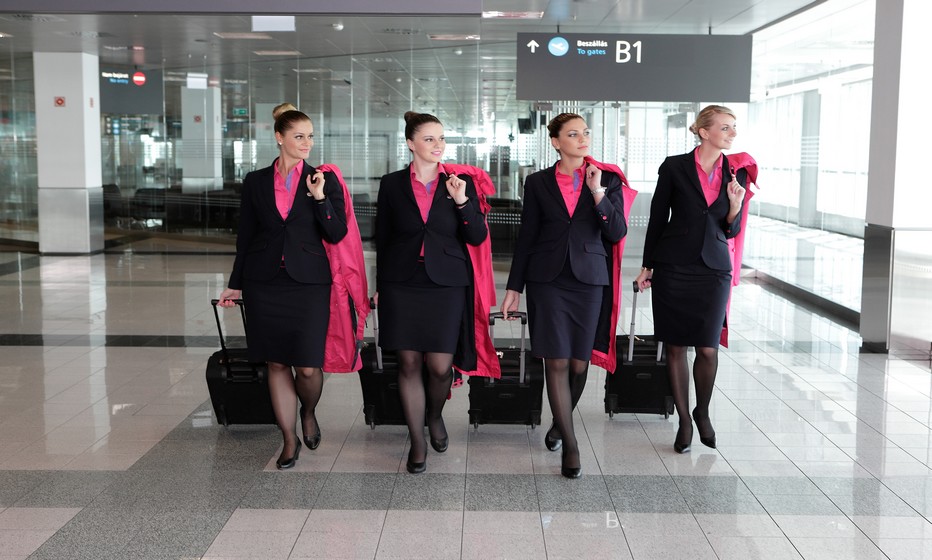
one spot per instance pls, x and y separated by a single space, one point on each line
696 208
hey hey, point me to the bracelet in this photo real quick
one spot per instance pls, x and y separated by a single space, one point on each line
598 190
463 205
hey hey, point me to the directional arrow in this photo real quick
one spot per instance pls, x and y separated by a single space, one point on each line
533 45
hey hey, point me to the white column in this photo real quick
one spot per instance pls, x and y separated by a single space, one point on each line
67 90
202 140
897 194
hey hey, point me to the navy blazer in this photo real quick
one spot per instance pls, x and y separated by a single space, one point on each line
549 235
400 232
264 237
683 227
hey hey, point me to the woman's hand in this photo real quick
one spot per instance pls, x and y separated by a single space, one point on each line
227 296
375 299
456 188
735 194
510 303
315 185
643 279
594 182
593 177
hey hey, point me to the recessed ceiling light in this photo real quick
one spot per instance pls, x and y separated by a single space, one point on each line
311 70
513 15
277 53
242 35
453 37
2 35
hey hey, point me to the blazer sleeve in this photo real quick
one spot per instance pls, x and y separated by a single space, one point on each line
527 237
611 211
331 211
659 213
472 224
246 230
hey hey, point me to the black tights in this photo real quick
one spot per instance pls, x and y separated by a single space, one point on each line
416 402
285 390
704 369
566 380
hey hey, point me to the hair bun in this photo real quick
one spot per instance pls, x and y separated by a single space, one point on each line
410 115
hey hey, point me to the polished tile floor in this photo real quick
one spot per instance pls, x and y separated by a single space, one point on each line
109 447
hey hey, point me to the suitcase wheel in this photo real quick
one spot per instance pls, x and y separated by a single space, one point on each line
611 403
474 419
535 419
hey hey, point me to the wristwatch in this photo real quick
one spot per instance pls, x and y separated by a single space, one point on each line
598 190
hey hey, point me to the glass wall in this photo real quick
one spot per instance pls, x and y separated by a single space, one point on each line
806 125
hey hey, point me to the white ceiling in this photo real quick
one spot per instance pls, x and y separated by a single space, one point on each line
386 65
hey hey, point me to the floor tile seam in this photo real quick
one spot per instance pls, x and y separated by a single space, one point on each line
855 460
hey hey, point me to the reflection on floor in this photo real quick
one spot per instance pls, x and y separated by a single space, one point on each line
109 449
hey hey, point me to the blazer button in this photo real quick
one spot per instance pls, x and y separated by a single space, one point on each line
704 212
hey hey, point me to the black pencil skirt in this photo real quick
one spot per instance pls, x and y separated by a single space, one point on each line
563 316
689 304
421 315
286 320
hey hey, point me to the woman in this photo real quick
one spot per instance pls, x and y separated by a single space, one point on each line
424 221
696 209
571 211
288 210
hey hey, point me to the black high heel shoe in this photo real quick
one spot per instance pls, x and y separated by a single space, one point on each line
681 446
440 445
415 468
314 441
708 441
552 443
286 463
569 472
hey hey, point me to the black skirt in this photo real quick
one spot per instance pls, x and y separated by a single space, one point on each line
286 320
689 304
563 316
421 315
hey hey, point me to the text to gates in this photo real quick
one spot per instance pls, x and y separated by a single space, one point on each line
623 50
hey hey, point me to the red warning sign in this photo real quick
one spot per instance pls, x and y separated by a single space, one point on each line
139 78
59 101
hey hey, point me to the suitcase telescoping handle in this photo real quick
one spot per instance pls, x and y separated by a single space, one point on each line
634 306
521 315
375 332
242 310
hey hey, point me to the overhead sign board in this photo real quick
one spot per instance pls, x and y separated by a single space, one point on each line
634 67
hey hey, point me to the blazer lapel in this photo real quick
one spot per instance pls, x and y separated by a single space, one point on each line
689 167
267 189
553 189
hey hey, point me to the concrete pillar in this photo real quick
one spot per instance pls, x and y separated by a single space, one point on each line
202 140
71 215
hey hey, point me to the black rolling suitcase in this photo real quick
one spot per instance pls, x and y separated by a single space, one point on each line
517 397
381 401
641 382
239 389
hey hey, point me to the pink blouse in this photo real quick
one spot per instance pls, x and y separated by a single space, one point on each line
285 190
711 184
571 186
424 194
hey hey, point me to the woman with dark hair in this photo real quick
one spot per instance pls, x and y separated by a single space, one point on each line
696 209
281 271
572 216
426 218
